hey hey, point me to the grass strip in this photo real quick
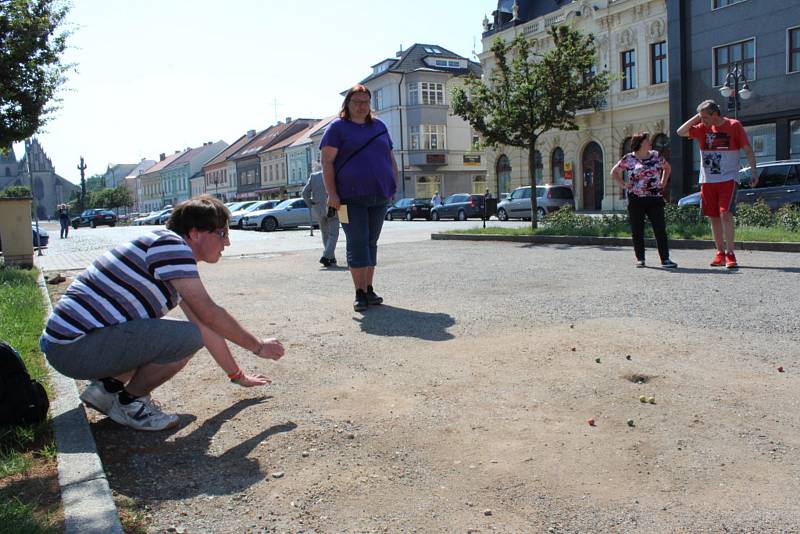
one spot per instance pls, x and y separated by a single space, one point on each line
27 453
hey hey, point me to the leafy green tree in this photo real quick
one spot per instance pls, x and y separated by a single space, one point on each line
95 183
122 198
32 41
528 93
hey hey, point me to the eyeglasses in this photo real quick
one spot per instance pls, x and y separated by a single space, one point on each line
222 233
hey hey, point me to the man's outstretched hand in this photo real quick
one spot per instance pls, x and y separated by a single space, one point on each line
271 349
249 381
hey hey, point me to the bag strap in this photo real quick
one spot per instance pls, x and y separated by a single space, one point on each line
362 147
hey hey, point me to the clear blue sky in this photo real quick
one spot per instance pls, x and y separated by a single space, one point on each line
161 75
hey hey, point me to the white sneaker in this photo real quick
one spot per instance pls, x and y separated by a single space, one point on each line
95 396
142 414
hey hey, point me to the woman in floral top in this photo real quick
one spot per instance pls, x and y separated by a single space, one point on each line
649 175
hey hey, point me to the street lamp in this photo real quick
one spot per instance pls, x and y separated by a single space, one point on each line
731 90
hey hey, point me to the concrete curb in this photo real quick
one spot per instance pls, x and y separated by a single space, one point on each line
584 241
85 493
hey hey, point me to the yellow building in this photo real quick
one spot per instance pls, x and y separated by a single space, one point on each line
631 40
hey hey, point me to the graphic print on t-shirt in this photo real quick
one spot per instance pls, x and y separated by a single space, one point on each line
711 162
717 141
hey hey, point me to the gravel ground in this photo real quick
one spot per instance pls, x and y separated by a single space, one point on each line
461 405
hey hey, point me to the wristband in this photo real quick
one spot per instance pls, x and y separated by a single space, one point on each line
234 377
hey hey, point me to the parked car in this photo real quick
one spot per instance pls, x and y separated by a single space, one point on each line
236 216
409 208
42 241
240 205
152 217
778 184
549 198
460 206
290 213
164 216
95 217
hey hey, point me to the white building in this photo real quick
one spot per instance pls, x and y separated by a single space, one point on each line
435 150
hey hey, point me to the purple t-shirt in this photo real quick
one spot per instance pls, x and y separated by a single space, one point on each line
370 171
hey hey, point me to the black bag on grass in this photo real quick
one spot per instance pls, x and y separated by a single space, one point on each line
23 401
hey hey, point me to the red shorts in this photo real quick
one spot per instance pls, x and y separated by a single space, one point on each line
718 197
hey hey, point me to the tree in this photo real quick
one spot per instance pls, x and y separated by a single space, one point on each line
31 45
529 93
95 183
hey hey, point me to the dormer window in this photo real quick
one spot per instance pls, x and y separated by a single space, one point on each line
447 63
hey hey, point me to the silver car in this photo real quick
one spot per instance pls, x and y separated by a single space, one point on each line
548 199
237 215
290 213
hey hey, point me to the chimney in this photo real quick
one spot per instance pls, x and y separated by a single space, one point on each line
288 120
251 133
399 52
162 157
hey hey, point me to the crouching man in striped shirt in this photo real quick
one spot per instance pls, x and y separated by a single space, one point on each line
109 326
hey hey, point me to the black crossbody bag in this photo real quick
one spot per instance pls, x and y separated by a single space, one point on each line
362 147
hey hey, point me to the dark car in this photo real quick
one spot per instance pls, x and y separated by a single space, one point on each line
95 217
42 240
409 208
460 206
778 184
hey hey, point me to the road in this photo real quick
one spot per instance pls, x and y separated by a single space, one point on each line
86 244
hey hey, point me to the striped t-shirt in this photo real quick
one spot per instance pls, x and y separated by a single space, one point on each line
128 282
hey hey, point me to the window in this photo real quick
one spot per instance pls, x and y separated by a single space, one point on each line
773 176
476 141
794 139
725 56
658 62
432 93
413 94
557 165
716 4
793 53
661 145
428 137
378 99
628 69
762 139
479 185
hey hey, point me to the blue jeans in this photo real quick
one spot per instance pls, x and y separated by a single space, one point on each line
363 229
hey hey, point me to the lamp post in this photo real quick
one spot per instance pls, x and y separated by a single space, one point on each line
735 87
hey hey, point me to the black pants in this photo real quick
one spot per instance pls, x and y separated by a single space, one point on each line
653 208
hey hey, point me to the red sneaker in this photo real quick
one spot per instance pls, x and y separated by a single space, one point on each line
719 259
730 261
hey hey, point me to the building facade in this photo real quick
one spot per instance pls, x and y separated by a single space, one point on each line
248 161
706 39
175 176
220 172
631 40
49 189
152 195
435 150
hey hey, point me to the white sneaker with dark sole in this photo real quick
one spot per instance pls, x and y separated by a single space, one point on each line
141 414
96 397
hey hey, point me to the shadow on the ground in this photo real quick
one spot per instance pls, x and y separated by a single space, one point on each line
386 320
154 466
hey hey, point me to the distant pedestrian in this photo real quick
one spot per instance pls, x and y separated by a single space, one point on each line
488 194
63 219
436 200
317 200
649 176
109 326
360 172
720 140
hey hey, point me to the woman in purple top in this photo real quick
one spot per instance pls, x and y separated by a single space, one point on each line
360 173
649 175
